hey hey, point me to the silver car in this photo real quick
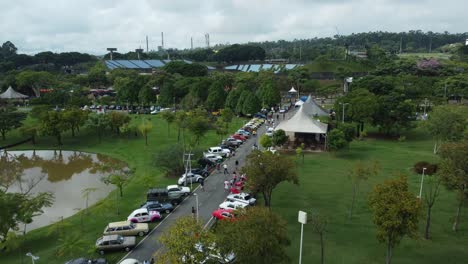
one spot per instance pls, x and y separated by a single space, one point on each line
115 242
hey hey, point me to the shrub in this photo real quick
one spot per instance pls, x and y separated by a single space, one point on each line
430 168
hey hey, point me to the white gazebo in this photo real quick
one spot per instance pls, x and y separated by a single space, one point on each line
292 90
303 125
12 94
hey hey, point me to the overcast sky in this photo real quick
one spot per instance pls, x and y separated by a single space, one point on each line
93 25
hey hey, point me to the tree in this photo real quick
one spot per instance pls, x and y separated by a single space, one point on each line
10 119
361 172
279 137
185 242
431 192
97 75
300 152
169 117
99 123
32 80
394 113
446 123
319 226
186 69
169 159
232 99
396 212
258 235
269 93
251 104
336 140
117 120
222 127
74 118
53 124
119 179
146 95
182 120
198 124
145 127
453 170
266 170
20 208
265 141
348 130
216 96
85 194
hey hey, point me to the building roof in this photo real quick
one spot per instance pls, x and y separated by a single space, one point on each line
302 122
12 94
313 109
139 64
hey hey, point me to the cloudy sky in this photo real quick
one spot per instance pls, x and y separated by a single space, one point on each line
92 25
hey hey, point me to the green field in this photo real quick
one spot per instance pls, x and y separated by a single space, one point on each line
325 188
44 242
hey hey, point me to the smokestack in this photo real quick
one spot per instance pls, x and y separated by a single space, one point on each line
191 43
162 40
147 47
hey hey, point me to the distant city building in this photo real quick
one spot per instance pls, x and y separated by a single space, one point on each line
276 68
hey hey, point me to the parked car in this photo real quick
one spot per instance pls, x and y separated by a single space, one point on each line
206 162
201 171
230 147
219 151
239 137
223 213
143 215
213 157
87 261
179 190
260 115
157 206
232 142
115 242
270 131
242 197
126 228
162 195
245 133
189 178
232 205
130 261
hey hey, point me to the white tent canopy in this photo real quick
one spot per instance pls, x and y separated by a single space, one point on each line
299 103
302 122
12 94
313 109
292 90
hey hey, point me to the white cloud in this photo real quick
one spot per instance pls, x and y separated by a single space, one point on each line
91 26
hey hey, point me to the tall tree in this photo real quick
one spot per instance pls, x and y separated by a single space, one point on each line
361 172
266 170
119 178
170 118
265 141
74 118
118 120
185 242
453 170
53 124
279 137
446 123
319 225
145 127
216 96
99 123
146 95
336 140
258 236
431 192
9 120
34 81
198 124
395 211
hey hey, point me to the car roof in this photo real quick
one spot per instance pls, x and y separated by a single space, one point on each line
117 224
140 210
110 237
172 186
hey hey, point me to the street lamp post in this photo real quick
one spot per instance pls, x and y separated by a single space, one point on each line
302 218
33 258
196 201
425 105
422 181
343 104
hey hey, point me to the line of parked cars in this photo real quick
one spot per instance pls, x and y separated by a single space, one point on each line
131 109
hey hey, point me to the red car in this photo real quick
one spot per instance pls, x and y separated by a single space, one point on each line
223 214
236 190
239 137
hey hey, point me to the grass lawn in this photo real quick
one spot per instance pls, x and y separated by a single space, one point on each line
325 188
80 239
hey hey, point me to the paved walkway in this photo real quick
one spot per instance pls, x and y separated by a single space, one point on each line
208 200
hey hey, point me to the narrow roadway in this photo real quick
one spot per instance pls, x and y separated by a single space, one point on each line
208 201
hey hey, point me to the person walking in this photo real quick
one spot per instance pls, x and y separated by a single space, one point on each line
218 166
152 261
193 211
226 185
237 164
202 184
225 169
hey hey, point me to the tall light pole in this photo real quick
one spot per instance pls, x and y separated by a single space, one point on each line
33 258
111 50
302 218
343 104
422 181
196 202
425 105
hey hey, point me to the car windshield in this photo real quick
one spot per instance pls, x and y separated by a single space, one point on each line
247 197
120 239
132 225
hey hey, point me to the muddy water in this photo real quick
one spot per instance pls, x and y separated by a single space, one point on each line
66 174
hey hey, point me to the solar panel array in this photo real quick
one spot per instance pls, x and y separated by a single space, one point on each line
261 67
138 64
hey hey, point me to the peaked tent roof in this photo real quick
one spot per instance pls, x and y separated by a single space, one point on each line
12 94
302 122
292 90
312 108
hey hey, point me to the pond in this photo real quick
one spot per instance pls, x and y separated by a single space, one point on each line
68 175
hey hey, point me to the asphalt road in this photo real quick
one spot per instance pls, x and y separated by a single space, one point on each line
208 201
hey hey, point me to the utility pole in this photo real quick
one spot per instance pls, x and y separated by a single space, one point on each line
191 43
138 51
147 45
162 40
343 104
111 50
